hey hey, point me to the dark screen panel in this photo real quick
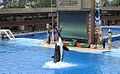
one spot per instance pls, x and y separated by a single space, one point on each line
74 24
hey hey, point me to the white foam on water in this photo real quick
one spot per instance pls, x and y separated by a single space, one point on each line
52 65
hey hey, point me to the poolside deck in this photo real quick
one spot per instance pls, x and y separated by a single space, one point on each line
52 45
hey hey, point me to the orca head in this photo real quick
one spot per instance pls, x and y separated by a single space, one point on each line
60 43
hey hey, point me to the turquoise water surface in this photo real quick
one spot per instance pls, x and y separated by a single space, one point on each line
23 56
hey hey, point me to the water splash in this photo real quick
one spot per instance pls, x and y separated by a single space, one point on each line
58 65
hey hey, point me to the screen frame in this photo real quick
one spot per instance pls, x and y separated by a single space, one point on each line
78 39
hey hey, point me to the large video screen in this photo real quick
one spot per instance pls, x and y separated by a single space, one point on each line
74 24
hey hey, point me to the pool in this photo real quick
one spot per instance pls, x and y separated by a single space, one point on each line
115 30
35 35
31 59
43 35
20 58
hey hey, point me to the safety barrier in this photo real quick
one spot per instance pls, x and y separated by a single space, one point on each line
7 32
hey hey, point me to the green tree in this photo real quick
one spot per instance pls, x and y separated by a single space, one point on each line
116 2
113 3
32 3
44 3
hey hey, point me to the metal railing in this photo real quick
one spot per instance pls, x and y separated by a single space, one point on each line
8 33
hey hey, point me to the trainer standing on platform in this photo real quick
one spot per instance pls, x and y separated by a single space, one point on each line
48 32
109 38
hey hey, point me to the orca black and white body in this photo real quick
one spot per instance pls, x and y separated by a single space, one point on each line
59 50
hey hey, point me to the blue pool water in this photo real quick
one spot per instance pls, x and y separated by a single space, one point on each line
16 59
37 35
115 30
23 56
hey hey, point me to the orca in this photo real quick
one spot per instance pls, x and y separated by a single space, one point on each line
57 54
59 50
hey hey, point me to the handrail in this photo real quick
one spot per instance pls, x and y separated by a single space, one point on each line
11 34
8 33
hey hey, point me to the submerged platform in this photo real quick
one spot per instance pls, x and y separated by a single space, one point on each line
52 45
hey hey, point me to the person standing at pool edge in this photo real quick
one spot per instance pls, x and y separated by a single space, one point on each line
103 43
2 35
48 33
101 37
109 38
